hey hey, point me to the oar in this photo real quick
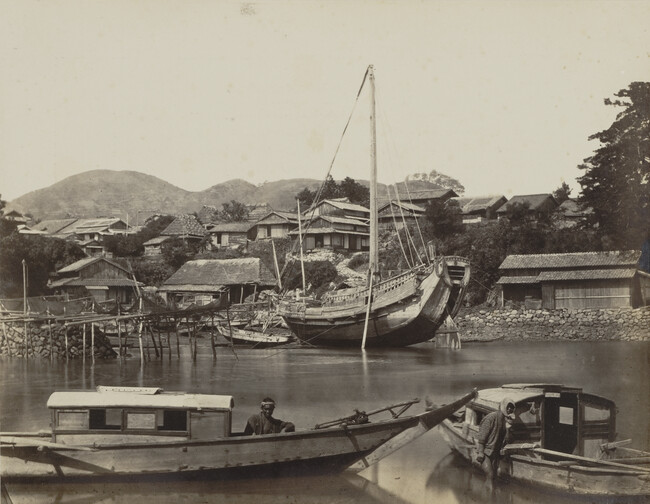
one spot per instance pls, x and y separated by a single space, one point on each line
579 458
21 441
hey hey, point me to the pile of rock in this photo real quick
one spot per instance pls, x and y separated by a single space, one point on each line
42 341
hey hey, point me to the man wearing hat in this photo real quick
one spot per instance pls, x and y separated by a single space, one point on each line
264 423
492 436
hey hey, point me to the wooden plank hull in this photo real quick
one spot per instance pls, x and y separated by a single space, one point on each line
254 338
397 322
573 479
320 451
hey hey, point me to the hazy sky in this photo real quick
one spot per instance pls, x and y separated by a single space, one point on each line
499 95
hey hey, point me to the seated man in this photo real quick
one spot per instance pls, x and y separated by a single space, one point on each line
264 423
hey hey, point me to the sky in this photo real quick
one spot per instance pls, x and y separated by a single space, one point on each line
501 96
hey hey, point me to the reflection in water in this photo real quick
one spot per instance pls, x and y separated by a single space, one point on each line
341 489
314 385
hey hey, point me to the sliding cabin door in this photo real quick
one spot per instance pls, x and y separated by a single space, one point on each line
560 430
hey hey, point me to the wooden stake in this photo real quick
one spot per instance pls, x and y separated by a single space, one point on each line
212 342
140 341
4 332
178 344
67 355
92 340
49 323
119 336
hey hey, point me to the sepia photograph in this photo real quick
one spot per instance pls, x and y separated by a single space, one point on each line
325 252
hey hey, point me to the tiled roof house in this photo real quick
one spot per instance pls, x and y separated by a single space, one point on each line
572 280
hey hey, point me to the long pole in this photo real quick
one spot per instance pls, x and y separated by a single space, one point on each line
365 325
302 264
374 242
275 260
25 306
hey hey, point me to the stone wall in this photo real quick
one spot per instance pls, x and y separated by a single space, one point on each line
623 324
12 341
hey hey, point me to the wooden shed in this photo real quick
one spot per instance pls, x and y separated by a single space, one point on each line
98 276
573 280
204 280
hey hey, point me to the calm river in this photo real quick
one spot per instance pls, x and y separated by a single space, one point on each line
315 385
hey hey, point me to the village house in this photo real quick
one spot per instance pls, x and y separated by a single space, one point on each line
537 205
425 196
15 216
153 247
480 209
397 214
572 280
87 233
335 233
340 207
97 276
569 214
276 224
228 234
187 228
205 280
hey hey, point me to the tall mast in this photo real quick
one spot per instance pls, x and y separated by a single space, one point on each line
374 242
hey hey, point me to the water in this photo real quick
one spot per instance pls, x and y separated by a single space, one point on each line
315 385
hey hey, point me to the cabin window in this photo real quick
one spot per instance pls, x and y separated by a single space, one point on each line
566 415
529 414
172 420
593 413
110 419
141 420
209 424
72 420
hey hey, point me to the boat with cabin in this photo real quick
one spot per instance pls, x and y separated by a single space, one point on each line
387 312
561 438
139 432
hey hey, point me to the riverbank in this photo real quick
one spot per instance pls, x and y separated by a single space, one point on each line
623 324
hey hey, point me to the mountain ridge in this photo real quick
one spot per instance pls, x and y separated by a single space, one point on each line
136 195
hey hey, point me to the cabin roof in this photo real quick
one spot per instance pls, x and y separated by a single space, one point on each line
138 397
520 392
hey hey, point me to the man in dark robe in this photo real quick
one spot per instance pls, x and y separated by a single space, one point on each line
264 423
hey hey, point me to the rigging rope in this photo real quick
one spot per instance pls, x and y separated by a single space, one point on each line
329 170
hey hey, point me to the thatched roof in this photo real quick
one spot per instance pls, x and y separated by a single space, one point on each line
185 226
219 272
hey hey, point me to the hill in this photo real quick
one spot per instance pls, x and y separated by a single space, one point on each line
135 195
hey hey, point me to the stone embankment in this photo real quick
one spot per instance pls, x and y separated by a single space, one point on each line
622 324
39 343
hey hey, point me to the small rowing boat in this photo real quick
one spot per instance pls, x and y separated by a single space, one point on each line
561 438
134 433
257 339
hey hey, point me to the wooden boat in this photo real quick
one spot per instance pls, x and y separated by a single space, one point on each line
399 311
561 438
135 432
257 339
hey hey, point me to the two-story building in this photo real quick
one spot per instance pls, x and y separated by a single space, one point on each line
98 277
